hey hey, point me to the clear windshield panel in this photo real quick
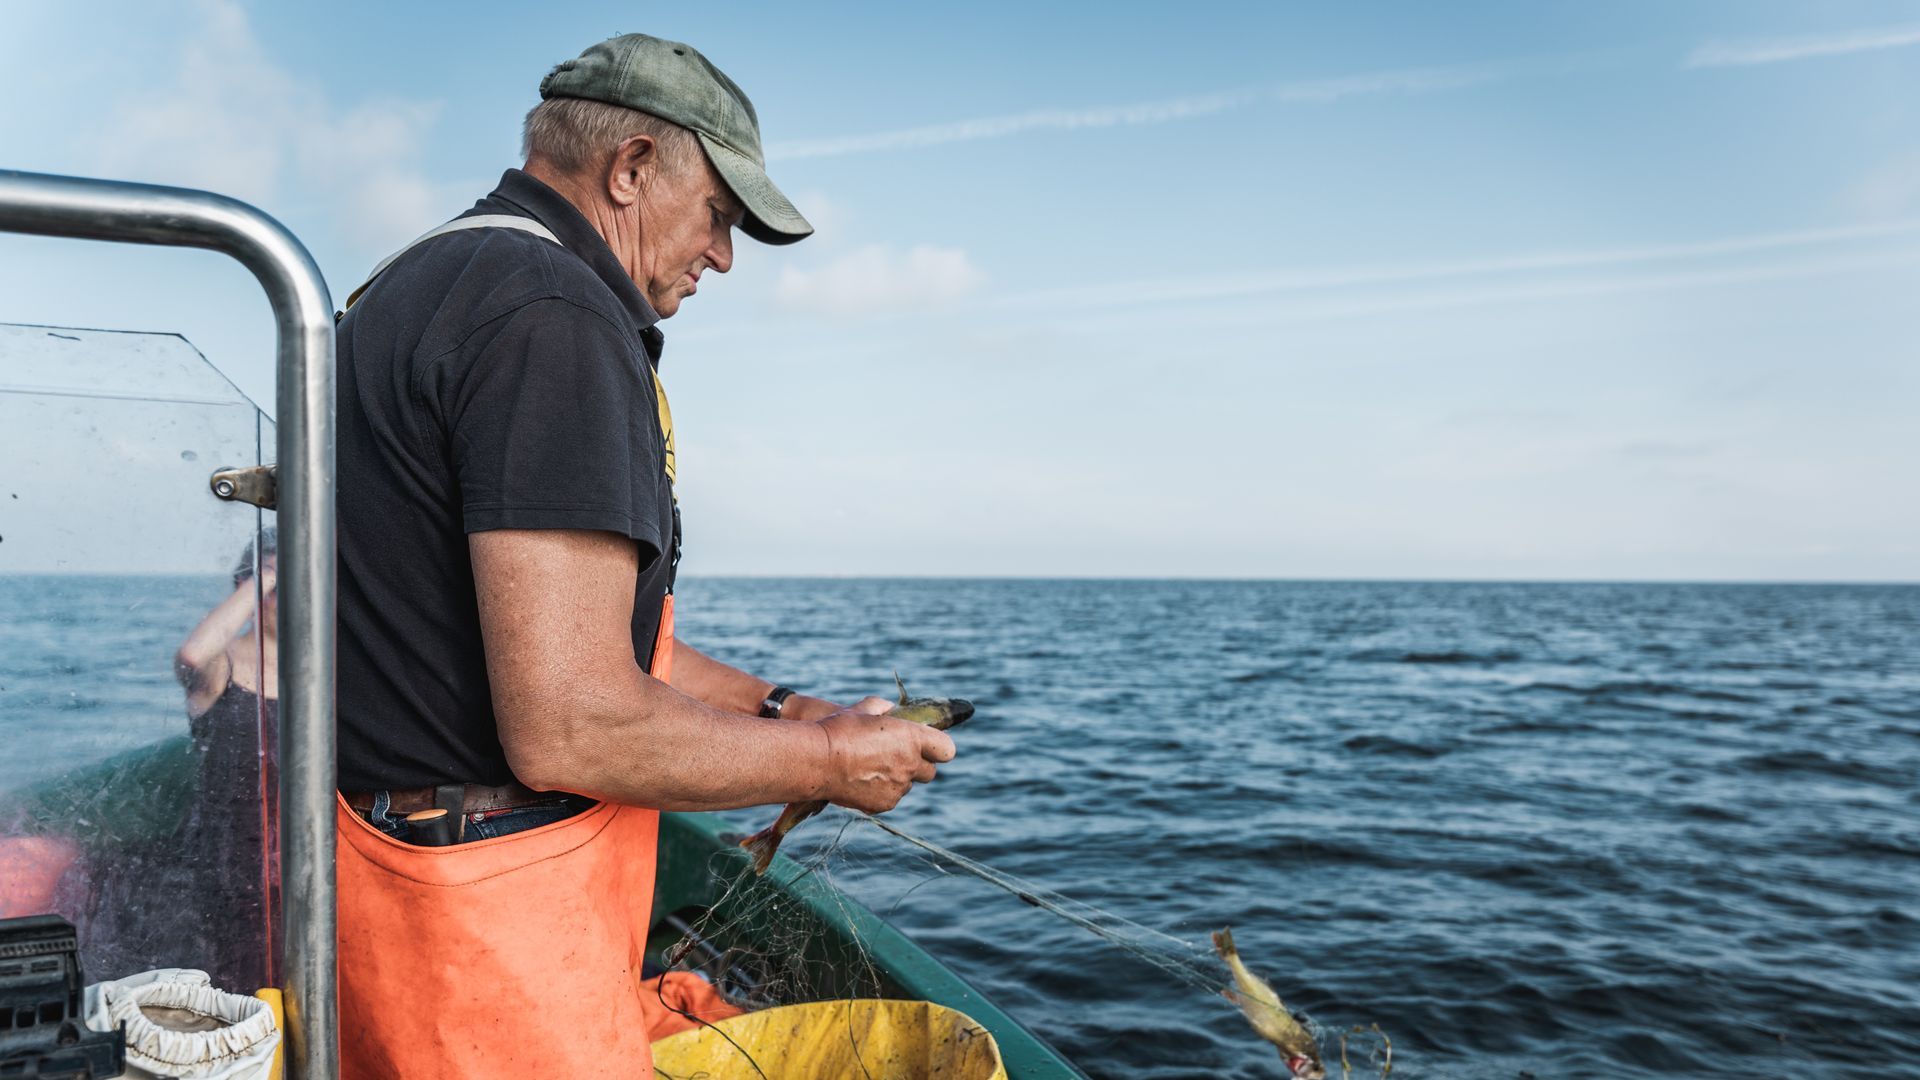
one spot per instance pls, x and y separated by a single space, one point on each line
138 782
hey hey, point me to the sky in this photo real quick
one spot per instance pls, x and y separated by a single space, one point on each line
1478 290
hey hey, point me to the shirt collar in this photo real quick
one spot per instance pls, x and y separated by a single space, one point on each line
550 208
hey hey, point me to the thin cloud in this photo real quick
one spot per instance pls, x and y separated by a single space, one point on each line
1506 294
232 119
1890 189
1316 91
1226 287
1781 50
1699 279
878 278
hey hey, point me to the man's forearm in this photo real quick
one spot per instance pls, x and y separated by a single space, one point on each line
724 686
576 713
647 744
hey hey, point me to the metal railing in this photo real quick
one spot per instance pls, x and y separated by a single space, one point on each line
303 318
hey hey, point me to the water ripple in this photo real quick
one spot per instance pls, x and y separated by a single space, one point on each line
1556 831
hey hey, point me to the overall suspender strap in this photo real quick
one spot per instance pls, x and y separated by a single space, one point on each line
481 221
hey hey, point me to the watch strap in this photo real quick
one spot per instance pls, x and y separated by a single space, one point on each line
776 699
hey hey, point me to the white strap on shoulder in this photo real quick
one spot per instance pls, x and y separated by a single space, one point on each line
480 221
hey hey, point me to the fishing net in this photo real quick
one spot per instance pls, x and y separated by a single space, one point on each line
767 941
794 936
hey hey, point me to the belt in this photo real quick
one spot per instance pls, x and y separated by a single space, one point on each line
474 799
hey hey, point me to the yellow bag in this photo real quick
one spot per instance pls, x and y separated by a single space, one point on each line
900 1040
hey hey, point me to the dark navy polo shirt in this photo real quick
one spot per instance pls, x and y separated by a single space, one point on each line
489 379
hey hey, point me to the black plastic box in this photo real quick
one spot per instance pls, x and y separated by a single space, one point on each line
43 1031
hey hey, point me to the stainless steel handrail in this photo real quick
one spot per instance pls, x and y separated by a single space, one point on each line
303 316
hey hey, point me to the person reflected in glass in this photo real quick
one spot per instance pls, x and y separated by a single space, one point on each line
229 668
231 655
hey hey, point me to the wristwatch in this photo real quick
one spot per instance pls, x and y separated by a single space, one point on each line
776 698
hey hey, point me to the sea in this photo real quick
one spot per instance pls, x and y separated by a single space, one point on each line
1528 830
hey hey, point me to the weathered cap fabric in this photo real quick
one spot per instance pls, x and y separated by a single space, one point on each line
674 82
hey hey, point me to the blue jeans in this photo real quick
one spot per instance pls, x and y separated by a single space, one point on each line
490 823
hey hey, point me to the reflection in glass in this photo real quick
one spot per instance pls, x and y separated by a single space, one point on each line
228 666
137 779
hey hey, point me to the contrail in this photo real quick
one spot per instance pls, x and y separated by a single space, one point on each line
1315 91
1523 293
1779 50
1393 274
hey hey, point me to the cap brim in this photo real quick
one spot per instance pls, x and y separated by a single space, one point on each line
770 219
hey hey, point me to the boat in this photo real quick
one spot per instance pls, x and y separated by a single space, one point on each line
711 911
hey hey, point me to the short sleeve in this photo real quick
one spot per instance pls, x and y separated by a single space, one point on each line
551 424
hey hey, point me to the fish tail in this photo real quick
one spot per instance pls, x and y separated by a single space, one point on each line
1223 942
761 846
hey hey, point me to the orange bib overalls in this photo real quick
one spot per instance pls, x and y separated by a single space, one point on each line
517 956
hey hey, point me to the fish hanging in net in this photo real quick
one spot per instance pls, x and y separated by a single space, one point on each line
1268 1014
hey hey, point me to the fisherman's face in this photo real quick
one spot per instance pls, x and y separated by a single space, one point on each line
686 229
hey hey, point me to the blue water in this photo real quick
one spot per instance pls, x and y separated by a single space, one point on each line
1564 830
86 666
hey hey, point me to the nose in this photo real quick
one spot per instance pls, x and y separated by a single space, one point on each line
720 255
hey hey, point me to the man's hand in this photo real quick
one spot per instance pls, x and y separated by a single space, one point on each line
876 759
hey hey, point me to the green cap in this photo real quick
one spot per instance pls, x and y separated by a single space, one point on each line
674 82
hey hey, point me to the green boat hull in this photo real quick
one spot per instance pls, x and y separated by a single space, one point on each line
790 937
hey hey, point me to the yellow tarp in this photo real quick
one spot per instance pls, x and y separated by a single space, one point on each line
900 1040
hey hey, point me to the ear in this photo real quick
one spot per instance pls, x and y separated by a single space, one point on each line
627 172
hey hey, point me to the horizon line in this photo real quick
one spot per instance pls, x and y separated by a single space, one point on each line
1140 578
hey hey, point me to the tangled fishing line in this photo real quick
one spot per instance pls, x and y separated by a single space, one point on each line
762 949
1184 960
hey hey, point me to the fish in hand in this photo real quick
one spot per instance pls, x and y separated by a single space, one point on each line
937 713
1268 1014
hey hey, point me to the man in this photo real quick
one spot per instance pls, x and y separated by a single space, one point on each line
514 706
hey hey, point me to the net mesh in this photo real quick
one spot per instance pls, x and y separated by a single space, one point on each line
764 941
